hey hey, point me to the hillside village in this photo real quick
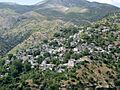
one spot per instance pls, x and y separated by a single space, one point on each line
94 48
76 41
21 24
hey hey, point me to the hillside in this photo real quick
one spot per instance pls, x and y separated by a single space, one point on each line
75 58
17 8
24 26
19 22
41 31
77 11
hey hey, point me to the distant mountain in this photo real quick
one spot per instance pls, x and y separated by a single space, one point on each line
72 3
68 3
79 11
19 22
17 8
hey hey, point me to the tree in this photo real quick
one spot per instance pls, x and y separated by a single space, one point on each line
117 82
40 59
55 61
7 80
47 54
16 68
18 65
67 56
27 66
10 56
45 41
75 56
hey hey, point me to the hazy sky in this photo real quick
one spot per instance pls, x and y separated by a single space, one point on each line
23 2
30 2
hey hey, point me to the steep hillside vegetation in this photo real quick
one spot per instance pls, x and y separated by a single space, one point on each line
19 22
23 26
41 31
75 58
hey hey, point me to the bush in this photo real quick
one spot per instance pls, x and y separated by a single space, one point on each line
45 41
27 66
75 56
117 82
10 56
40 59
46 54
57 35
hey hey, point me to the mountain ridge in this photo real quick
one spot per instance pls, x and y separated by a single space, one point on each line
18 20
